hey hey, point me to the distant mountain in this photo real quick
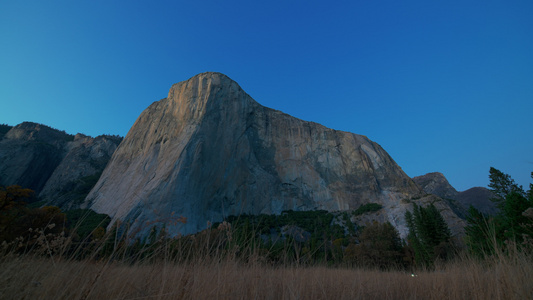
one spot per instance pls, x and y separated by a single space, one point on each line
59 167
478 197
435 183
209 151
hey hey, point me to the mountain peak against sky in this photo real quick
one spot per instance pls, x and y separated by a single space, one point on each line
209 151
216 77
210 75
200 85
435 183
413 73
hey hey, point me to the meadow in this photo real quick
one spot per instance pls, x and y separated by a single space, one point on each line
206 271
49 254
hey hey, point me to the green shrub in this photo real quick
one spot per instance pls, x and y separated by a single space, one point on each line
365 208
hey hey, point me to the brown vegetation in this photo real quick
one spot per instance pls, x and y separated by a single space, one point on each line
224 262
28 277
201 270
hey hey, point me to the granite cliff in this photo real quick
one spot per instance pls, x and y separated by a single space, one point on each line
59 167
209 150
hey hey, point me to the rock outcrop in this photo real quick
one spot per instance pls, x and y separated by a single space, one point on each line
59 167
209 150
435 183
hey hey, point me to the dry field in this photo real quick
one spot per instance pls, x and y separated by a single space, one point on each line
29 277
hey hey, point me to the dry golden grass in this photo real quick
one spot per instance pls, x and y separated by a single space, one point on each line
206 267
29 277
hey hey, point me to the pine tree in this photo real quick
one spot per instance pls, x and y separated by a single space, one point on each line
510 225
501 185
429 235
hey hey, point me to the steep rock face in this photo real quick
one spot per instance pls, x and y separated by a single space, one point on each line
209 150
59 167
79 170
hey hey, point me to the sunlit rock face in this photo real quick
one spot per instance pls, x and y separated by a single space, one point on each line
209 150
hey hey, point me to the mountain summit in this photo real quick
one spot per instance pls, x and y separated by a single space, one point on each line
209 150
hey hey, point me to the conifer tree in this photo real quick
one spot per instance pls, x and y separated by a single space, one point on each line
501 185
429 235
511 225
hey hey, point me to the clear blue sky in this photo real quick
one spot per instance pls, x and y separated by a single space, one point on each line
442 85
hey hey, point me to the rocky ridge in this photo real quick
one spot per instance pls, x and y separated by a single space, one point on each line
59 167
436 183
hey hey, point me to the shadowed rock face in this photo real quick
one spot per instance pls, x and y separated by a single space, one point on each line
435 183
29 154
56 165
209 150
85 159
479 197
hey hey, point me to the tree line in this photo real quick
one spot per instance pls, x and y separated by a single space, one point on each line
301 237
